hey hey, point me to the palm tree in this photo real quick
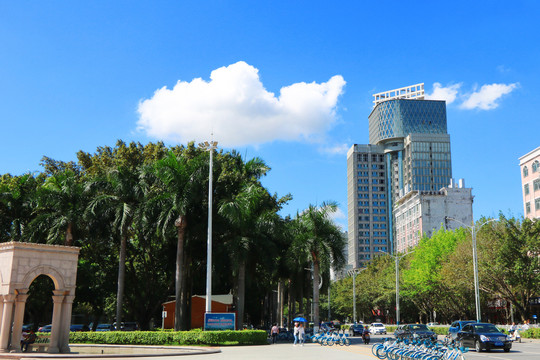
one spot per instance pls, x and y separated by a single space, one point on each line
117 199
180 189
250 214
61 204
321 242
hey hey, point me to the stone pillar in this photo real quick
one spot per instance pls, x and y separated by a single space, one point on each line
18 318
66 323
7 313
56 330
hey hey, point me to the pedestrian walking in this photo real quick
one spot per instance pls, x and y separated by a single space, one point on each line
295 333
274 332
301 334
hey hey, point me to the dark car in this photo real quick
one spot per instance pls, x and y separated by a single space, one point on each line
78 327
483 336
327 326
104 327
456 326
416 331
356 329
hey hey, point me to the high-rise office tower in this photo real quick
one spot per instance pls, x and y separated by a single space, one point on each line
409 150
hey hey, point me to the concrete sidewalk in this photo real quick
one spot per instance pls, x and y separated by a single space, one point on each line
262 352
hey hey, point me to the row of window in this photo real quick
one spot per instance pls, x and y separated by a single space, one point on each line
535 168
373 173
374 203
375 233
366 195
374 157
536 206
367 249
373 211
536 186
373 181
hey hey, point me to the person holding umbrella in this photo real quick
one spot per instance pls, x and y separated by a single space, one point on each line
297 330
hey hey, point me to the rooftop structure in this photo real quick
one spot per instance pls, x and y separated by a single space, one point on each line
530 183
407 92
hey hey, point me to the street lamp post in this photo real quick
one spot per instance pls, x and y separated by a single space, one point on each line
397 257
210 147
353 273
473 230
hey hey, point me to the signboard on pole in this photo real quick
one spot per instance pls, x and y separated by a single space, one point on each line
219 321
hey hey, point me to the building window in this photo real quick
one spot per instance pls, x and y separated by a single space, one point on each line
535 166
528 208
537 204
536 185
526 189
525 171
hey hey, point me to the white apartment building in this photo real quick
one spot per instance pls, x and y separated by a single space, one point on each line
530 183
421 213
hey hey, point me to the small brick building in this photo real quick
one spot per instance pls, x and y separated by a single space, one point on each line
220 304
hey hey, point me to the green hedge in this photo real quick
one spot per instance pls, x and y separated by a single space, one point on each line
195 337
533 333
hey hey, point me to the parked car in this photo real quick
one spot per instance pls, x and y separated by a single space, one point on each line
432 324
356 329
327 326
408 331
78 327
483 336
377 328
104 327
45 328
456 326
127 326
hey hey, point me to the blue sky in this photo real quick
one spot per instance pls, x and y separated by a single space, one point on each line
289 81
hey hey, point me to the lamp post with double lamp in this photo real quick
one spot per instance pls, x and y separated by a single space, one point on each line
209 146
397 257
474 229
353 273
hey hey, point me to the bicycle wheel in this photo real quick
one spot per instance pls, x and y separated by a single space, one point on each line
346 341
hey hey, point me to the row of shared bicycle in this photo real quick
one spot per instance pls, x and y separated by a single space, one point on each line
330 338
417 349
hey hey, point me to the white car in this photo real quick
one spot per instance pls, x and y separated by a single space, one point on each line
377 328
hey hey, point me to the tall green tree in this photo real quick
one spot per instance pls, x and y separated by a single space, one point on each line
319 240
60 207
251 213
117 199
179 190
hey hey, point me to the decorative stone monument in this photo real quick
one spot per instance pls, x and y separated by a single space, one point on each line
20 264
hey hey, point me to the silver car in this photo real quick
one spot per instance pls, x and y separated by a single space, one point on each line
377 328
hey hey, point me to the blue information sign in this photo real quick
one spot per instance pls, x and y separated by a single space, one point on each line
219 321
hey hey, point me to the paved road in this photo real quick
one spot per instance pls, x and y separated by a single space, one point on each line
357 351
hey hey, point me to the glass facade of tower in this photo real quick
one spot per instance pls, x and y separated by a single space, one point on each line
398 118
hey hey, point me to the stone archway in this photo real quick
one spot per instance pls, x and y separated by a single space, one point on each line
20 264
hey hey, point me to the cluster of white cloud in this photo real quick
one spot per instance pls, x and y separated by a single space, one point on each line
238 110
487 98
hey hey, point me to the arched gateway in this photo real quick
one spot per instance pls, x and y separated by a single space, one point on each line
20 264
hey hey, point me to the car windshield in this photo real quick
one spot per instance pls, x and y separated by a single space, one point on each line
377 325
421 327
486 328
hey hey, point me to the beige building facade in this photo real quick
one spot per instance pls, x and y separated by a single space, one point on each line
20 264
530 183
421 213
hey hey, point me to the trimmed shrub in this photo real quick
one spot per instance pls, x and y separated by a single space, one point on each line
194 337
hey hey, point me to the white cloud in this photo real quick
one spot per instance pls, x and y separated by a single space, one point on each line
338 214
448 93
487 97
236 107
338 149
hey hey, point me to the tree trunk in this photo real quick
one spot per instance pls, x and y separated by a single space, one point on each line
69 235
316 295
241 291
180 224
185 297
121 279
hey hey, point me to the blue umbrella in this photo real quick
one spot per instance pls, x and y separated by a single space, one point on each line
301 319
